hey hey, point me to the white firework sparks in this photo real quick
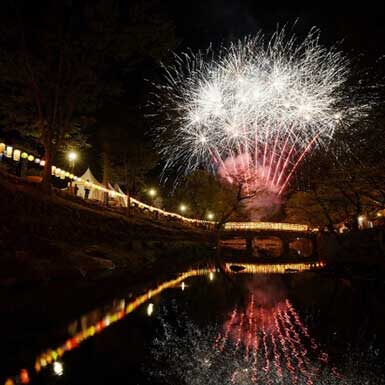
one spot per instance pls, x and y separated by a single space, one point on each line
251 112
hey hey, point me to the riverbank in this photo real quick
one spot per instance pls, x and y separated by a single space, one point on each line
60 253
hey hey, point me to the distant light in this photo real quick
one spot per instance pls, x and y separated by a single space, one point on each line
8 152
182 208
31 158
150 309
211 276
183 285
58 368
210 216
16 155
24 377
152 192
72 156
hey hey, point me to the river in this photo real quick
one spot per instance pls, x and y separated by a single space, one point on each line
268 324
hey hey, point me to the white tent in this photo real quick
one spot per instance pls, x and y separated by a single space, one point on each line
122 201
82 185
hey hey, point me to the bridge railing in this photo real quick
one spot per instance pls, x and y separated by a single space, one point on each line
274 226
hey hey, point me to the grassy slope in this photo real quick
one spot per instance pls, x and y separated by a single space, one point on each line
45 237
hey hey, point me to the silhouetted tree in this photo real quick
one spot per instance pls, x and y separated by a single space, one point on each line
60 62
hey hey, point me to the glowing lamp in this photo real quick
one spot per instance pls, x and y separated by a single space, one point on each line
31 158
42 163
16 155
58 368
211 276
24 155
53 170
67 174
37 367
182 208
8 152
60 352
9 381
2 148
24 377
150 309
152 192
72 156
210 216
37 160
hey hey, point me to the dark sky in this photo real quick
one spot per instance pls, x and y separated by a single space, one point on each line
360 23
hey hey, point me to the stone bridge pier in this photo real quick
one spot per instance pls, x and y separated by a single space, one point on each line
285 239
272 242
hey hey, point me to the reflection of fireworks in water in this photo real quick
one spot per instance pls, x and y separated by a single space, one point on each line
285 342
260 345
253 111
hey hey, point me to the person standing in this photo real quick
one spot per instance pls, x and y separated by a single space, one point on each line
86 191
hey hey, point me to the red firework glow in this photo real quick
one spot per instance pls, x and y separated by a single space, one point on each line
266 171
273 339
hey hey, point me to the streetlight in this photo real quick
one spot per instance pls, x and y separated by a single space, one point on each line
58 368
182 208
152 192
210 216
72 157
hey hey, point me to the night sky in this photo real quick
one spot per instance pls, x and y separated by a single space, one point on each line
360 24
358 28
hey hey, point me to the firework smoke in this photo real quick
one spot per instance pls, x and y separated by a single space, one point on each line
252 111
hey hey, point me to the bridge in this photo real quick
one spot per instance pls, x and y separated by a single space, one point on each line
250 236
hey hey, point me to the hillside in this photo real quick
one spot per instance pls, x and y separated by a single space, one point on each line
56 236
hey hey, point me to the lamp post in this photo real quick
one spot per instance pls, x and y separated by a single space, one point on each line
182 208
72 157
152 193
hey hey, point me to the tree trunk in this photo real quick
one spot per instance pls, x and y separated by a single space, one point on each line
128 192
106 172
128 209
106 167
47 172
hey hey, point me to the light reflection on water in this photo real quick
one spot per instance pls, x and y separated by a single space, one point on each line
98 320
262 342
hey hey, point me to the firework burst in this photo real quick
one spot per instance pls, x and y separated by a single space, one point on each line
252 111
